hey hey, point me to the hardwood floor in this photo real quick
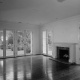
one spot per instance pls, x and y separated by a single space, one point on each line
37 68
62 71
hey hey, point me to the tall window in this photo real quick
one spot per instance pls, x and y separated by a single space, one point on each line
28 42
20 43
12 42
44 42
9 43
49 42
24 42
1 43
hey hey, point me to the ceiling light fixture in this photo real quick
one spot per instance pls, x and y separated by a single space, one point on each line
60 0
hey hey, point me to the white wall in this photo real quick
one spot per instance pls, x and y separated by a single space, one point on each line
22 26
66 31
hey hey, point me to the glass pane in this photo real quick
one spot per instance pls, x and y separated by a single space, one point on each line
9 43
49 43
20 43
28 42
44 42
1 43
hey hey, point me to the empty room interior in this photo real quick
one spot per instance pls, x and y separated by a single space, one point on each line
39 39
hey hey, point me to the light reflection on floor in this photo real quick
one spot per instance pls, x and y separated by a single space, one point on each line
20 68
28 68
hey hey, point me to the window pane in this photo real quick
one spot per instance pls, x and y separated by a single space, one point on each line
1 43
20 43
28 42
9 43
49 43
44 42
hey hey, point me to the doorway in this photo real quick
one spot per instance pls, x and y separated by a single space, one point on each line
15 43
24 43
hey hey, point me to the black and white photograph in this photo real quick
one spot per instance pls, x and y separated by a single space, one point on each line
39 39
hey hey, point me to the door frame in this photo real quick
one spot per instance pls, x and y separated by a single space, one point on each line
14 43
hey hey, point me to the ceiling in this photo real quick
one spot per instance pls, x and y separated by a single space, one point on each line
38 11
